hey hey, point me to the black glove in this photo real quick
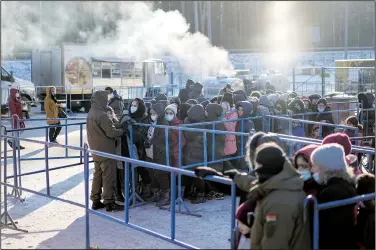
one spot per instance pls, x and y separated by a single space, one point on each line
202 172
147 144
231 173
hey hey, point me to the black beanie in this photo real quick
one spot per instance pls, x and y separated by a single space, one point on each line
161 97
314 96
228 97
214 99
175 100
271 159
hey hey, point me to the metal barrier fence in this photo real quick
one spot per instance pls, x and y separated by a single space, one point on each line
327 205
135 163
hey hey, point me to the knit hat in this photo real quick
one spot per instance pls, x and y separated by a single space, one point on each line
271 158
173 108
161 97
306 152
329 156
228 97
322 100
214 99
340 138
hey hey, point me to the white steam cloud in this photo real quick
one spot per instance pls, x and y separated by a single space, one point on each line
122 29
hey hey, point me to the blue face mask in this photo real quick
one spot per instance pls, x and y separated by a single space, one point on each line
316 177
169 117
133 109
306 174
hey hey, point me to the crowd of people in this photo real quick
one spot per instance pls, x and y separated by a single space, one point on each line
272 187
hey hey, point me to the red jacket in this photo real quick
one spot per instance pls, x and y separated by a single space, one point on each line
15 108
175 142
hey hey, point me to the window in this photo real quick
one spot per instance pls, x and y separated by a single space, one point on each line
97 69
127 70
159 68
106 70
115 70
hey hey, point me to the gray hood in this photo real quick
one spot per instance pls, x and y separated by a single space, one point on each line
99 100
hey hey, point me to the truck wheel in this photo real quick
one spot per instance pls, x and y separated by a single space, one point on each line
87 106
27 105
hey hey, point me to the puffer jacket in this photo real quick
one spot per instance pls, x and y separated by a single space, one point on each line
214 112
194 149
117 104
51 107
279 221
337 225
15 108
101 132
175 142
230 141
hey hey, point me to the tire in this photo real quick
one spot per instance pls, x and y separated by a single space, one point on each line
26 106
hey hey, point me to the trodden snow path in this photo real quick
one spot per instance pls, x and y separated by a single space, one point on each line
54 224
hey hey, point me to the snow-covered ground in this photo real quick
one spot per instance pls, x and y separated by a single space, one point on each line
54 224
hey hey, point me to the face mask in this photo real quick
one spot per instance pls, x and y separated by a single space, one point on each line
316 177
133 109
321 109
17 95
154 117
169 117
306 174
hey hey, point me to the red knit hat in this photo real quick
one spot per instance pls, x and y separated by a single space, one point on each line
306 151
340 138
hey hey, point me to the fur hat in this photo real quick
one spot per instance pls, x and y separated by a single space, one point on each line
329 156
228 97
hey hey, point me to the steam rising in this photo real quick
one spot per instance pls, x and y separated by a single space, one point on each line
123 29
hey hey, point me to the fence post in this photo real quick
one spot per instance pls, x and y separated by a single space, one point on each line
179 165
233 208
213 144
293 79
242 137
5 181
19 154
46 162
81 141
290 133
87 215
66 137
322 82
205 151
126 191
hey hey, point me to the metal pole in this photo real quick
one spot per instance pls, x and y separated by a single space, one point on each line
5 181
81 141
196 15
87 214
346 31
66 138
293 79
209 21
46 162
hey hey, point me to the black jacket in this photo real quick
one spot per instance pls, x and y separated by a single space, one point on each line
328 117
366 224
337 225
194 149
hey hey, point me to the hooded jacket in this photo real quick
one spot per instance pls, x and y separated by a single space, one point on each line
196 91
51 108
194 149
184 93
117 104
230 140
184 107
214 112
279 215
101 132
328 117
175 142
15 108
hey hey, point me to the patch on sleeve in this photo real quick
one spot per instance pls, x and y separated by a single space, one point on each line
271 218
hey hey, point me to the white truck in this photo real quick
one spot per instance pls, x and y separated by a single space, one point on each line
76 73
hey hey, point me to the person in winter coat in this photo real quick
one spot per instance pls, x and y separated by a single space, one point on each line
226 89
164 103
263 109
177 102
280 109
297 107
214 112
196 91
205 103
15 109
278 224
352 121
101 136
184 93
325 118
161 97
315 133
137 114
229 113
367 118
214 100
192 102
313 99
52 112
366 217
244 110
155 147
242 93
337 225
117 104
194 149
184 107
256 94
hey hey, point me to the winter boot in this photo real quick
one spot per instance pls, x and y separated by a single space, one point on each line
164 198
97 205
113 207
155 195
146 192
119 196
200 198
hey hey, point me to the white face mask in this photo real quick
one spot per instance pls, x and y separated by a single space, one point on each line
17 95
321 109
133 109
169 117
154 117
316 177
306 174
